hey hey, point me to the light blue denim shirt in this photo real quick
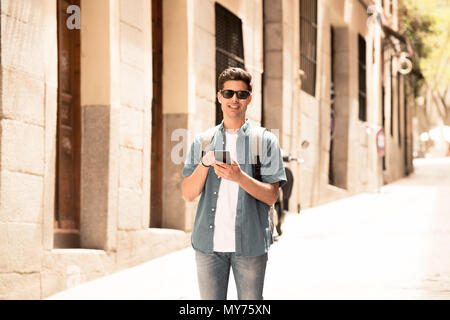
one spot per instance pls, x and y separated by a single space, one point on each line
253 233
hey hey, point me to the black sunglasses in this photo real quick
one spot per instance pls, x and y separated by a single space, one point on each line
241 94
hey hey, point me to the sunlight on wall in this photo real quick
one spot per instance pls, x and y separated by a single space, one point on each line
348 6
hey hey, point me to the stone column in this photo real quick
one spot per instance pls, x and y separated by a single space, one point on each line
176 96
100 103
273 65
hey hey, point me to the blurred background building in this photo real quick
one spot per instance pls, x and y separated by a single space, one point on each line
94 94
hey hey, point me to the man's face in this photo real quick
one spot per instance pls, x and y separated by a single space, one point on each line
234 107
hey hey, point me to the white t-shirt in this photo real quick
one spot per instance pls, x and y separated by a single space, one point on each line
225 219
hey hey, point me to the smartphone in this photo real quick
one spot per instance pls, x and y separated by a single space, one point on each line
222 156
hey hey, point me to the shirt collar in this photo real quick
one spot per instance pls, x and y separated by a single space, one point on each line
244 129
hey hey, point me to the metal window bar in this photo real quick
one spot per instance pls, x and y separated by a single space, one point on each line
230 55
308 43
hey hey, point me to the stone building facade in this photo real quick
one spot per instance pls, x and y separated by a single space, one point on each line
356 52
95 119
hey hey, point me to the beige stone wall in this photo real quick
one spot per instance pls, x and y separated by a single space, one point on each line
135 114
355 156
396 165
281 80
300 116
27 125
358 154
177 96
395 153
116 127
360 164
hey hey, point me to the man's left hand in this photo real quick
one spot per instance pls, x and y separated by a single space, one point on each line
230 172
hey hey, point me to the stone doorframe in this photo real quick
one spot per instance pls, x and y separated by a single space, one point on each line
100 104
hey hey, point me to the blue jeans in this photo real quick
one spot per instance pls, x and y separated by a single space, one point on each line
213 271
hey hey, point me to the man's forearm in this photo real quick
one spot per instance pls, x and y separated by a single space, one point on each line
263 191
192 186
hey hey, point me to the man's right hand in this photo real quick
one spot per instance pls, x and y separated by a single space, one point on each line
193 185
209 159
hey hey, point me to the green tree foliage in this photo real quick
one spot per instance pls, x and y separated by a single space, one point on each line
426 24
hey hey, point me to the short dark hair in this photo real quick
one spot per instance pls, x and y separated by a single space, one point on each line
234 73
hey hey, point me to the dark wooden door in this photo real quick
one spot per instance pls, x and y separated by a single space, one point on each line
67 206
331 176
156 200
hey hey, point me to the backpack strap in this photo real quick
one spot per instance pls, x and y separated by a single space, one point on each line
256 146
207 138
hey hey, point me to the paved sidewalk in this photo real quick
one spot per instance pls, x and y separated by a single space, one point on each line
389 245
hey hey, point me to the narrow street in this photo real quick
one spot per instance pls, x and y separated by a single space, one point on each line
393 244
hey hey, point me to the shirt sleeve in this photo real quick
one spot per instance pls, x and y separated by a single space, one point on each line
272 168
193 158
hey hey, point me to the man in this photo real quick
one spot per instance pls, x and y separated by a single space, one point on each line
232 227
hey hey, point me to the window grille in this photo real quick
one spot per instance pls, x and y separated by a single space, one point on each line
308 44
229 46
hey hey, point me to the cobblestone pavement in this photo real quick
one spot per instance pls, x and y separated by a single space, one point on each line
394 244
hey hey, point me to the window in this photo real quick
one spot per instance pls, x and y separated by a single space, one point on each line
229 46
308 45
362 79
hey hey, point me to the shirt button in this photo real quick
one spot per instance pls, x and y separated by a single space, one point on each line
215 192
211 227
212 209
